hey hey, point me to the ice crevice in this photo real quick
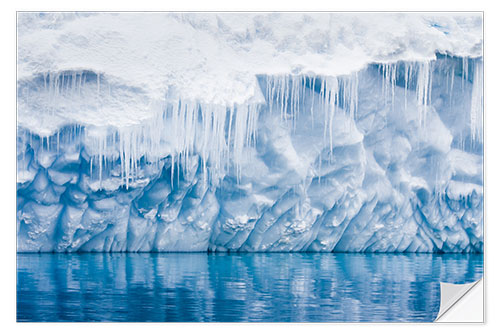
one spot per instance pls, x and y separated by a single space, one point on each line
385 159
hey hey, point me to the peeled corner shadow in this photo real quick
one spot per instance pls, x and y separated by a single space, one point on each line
453 294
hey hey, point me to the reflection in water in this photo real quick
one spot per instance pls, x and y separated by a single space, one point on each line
237 287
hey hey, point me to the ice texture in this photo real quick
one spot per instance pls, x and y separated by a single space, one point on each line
250 132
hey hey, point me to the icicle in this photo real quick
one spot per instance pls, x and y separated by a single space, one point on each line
312 99
393 83
408 68
423 90
286 95
295 99
98 84
68 83
172 167
383 85
353 95
389 72
101 153
80 84
452 85
476 110
73 82
61 86
334 87
465 71
326 117
91 161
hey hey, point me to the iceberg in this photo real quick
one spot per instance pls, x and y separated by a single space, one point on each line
250 132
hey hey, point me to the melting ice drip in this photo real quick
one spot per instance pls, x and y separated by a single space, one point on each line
219 133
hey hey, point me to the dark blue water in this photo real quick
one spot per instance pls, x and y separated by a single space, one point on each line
283 287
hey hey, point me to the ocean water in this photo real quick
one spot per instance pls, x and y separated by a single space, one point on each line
254 287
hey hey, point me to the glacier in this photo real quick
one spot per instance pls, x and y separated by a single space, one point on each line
245 132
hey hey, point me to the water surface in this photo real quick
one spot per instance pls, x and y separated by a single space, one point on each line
283 287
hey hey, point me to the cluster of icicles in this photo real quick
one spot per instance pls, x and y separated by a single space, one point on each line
219 134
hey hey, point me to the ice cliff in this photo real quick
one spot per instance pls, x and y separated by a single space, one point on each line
250 132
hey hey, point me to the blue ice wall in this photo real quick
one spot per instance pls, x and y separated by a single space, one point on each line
388 159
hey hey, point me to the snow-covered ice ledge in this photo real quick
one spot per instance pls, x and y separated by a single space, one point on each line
272 144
